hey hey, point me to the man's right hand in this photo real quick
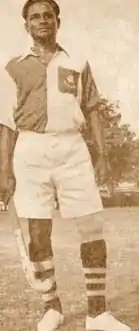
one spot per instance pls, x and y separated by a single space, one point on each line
7 188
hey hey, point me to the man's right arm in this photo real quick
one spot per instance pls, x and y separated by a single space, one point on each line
8 136
8 139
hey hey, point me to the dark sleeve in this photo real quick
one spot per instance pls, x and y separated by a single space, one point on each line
8 99
90 95
11 68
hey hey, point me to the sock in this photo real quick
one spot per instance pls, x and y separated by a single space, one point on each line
49 293
93 256
41 258
53 304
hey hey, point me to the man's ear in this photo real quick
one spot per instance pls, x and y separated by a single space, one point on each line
26 27
58 23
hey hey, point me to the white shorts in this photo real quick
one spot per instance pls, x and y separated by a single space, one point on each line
45 164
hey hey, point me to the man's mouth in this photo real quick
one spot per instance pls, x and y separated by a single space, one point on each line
44 29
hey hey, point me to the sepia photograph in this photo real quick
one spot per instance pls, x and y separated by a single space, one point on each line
69 165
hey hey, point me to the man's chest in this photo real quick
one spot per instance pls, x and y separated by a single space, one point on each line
60 72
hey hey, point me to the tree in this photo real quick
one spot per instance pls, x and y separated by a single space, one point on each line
119 142
135 163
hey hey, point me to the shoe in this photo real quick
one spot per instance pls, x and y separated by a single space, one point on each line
105 322
50 321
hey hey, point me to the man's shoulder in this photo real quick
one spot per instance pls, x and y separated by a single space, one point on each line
76 59
13 61
13 66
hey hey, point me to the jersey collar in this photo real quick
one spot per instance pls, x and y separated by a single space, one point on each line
30 51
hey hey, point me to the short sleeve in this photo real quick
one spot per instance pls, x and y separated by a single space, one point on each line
90 95
8 99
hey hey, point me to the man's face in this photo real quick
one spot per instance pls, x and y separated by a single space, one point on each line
42 23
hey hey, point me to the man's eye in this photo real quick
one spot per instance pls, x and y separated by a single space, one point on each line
48 16
34 17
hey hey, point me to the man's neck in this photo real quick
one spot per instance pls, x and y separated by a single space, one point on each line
45 48
45 51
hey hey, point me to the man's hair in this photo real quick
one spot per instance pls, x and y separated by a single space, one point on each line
29 3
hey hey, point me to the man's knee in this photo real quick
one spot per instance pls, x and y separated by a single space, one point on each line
40 247
90 227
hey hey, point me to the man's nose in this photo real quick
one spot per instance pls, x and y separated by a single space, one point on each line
43 19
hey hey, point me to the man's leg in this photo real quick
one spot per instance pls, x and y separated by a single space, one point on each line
41 255
34 200
79 198
93 254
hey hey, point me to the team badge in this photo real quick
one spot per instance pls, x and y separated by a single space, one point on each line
68 80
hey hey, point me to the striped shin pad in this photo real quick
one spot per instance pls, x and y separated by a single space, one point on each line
46 284
93 256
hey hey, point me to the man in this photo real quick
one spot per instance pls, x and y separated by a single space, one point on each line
53 94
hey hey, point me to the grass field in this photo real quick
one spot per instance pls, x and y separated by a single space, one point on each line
20 307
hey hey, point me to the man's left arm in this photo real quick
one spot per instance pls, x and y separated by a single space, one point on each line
90 99
97 131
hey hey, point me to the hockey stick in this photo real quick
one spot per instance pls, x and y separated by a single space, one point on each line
18 236
20 242
28 266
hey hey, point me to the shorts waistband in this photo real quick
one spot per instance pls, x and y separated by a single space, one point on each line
50 132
